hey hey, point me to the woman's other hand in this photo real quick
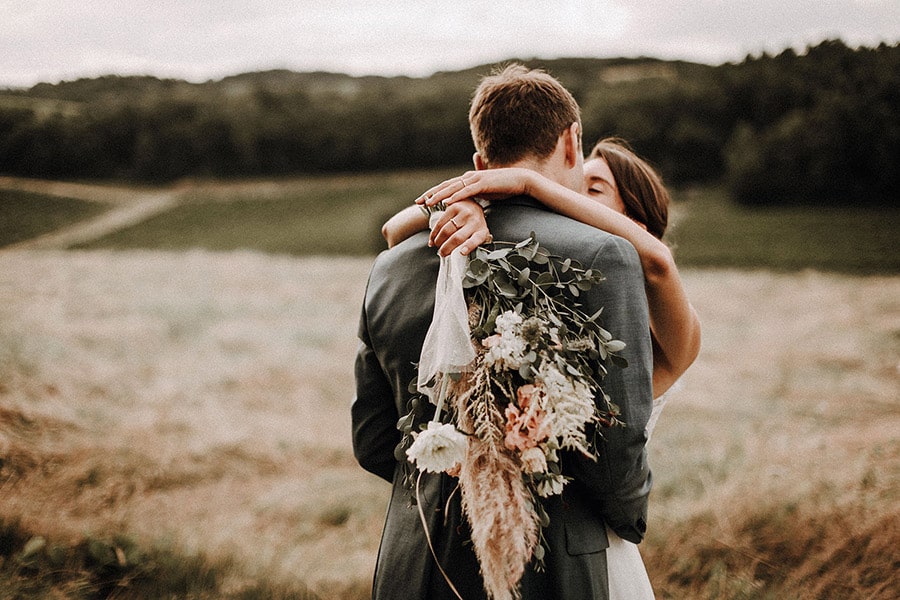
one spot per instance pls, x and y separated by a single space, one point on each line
461 226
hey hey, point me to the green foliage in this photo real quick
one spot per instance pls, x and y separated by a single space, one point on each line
824 129
530 281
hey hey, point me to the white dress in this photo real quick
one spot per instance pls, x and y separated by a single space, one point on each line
628 578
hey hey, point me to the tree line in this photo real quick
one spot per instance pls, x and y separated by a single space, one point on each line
821 126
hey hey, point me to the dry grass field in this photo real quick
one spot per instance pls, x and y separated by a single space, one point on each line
198 402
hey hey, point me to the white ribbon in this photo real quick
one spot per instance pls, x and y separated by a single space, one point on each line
448 345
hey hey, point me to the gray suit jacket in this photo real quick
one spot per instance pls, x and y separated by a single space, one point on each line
613 490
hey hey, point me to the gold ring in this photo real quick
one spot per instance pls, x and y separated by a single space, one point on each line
455 224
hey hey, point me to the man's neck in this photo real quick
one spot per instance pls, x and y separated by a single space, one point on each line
546 168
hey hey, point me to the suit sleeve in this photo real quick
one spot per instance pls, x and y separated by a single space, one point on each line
373 413
619 481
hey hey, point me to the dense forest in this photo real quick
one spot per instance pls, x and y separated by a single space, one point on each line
821 126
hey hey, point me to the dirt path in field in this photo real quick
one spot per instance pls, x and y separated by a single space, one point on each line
129 206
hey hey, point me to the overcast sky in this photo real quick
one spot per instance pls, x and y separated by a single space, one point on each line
53 40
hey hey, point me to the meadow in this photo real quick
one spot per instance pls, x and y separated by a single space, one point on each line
174 402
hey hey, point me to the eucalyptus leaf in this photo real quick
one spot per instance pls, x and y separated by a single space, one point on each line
542 515
405 423
517 261
504 285
400 453
524 276
527 252
545 279
615 345
619 361
594 316
477 267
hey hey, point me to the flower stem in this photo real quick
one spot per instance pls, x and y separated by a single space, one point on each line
445 383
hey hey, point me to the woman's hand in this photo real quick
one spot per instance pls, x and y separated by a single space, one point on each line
489 184
461 226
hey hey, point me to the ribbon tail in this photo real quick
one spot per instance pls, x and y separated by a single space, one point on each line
448 345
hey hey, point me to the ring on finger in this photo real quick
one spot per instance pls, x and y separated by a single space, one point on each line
455 224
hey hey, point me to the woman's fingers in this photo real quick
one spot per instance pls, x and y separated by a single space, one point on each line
478 237
458 188
446 228
461 226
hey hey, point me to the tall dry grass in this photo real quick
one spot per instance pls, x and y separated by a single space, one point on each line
784 443
200 400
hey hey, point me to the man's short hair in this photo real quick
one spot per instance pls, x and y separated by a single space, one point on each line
520 113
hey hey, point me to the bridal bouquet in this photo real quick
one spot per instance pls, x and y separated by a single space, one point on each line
531 391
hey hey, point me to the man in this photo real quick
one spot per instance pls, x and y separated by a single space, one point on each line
526 119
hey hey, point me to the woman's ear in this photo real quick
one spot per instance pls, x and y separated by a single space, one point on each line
480 165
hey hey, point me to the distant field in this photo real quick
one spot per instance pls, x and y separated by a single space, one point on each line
328 215
343 214
717 233
24 215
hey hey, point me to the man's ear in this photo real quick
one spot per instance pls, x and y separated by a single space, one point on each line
572 144
480 165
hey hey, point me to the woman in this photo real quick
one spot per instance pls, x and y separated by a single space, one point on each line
623 195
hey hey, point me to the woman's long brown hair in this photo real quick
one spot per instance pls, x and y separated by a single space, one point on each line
645 197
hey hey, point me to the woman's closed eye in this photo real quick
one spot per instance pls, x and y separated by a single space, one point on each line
600 189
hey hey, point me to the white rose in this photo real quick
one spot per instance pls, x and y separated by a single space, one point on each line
437 449
534 461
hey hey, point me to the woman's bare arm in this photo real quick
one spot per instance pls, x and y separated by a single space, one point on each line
673 321
409 221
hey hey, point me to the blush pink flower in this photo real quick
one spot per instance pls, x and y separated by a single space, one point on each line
526 426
